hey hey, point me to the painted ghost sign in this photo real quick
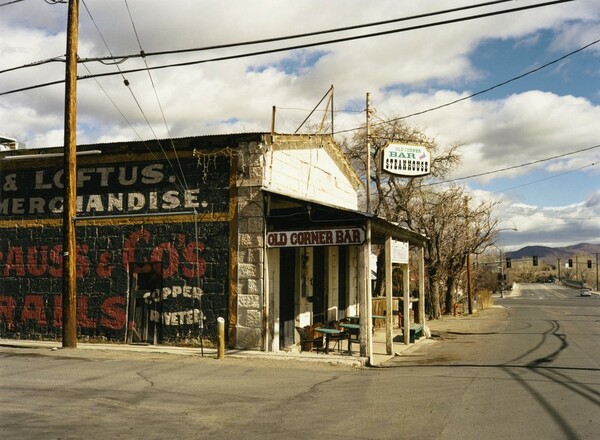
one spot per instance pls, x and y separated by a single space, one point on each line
188 255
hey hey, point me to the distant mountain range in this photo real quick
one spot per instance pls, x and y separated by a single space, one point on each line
553 254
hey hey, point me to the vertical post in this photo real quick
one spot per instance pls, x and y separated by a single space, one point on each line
368 158
69 295
502 274
597 271
221 338
389 347
558 267
468 258
369 297
469 284
332 132
266 289
273 121
364 279
422 285
406 304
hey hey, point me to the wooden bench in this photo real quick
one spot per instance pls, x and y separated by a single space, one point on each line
416 332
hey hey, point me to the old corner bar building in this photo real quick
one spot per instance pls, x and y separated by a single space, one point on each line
260 229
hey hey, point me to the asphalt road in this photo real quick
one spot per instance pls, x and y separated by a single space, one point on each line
529 370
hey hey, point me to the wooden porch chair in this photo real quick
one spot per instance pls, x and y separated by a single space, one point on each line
309 339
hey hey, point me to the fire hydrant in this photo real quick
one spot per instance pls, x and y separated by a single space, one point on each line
455 309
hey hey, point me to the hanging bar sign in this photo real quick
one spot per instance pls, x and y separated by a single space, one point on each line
406 160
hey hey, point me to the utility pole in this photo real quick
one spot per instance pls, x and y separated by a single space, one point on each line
469 275
597 288
69 287
470 284
368 189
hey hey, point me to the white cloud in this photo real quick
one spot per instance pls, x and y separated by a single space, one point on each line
405 72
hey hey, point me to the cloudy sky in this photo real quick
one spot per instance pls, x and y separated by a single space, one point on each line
533 143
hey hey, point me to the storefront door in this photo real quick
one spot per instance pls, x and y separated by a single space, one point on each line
287 295
319 294
141 328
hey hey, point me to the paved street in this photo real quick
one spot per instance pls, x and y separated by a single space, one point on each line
527 370
536 375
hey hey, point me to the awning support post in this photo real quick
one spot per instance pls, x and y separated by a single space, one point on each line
389 336
406 308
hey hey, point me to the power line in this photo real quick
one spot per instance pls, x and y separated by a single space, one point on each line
303 35
508 81
157 98
300 46
143 54
537 69
337 40
10 3
134 97
558 156
545 178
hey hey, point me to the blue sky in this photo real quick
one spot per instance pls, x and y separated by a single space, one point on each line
549 113
577 75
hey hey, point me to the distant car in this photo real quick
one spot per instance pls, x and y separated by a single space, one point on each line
585 292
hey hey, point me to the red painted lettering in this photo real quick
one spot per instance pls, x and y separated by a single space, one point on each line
83 320
14 262
7 311
173 258
105 269
37 261
82 261
56 258
113 309
197 265
57 319
129 254
33 309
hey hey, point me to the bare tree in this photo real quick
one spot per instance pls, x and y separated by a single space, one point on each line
442 213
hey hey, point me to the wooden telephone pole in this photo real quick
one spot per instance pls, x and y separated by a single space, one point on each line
69 288
368 122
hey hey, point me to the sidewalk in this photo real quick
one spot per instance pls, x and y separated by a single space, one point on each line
333 358
446 324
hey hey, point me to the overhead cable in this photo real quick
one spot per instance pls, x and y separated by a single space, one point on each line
545 178
558 156
134 97
464 98
304 35
158 101
10 3
300 46
142 54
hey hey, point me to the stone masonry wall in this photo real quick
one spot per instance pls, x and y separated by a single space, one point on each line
251 258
